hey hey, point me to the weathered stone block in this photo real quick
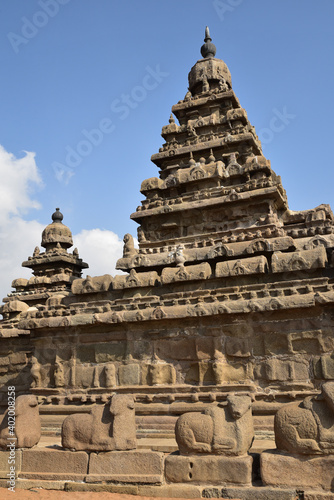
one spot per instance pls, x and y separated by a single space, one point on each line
255 493
92 285
197 272
297 471
129 374
327 366
176 349
204 348
110 351
253 265
170 491
296 261
17 358
135 279
162 374
10 459
200 372
281 370
237 347
211 469
229 373
4 360
53 464
126 466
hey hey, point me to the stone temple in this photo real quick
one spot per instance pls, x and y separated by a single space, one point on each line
230 291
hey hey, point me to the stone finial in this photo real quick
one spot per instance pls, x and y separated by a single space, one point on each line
56 232
208 50
57 216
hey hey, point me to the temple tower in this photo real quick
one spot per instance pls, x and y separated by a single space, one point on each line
229 289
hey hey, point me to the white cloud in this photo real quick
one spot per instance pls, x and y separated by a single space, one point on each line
100 249
18 177
18 237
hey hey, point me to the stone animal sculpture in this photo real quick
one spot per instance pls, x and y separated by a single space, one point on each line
27 423
222 430
105 428
307 427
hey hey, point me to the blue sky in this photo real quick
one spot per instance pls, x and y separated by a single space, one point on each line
88 84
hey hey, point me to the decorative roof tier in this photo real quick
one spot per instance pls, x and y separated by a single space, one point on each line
215 186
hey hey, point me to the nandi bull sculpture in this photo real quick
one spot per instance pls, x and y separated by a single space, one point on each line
307 427
105 428
224 430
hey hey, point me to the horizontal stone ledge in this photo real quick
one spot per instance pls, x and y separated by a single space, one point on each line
135 466
49 476
209 469
305 472
53 464
8 459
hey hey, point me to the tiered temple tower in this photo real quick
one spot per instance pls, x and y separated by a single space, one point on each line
228 291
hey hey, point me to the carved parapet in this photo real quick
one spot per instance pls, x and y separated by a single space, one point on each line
92 285
13 308
296 261
39 280
197 272
20 284
253 265
135 279
55 300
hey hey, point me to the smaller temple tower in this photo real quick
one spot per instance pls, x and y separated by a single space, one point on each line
53 270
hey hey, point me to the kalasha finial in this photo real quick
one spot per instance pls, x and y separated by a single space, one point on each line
208 49
57 216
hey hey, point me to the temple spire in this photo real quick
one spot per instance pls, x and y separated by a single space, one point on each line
208 50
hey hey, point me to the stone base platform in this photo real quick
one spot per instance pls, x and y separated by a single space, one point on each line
208 469
175 490
153 474
300 471
126 467
137 466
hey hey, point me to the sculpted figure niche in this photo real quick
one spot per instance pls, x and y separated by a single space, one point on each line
222 430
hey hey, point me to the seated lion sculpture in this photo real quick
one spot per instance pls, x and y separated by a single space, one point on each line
105 428
307 427
222 430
